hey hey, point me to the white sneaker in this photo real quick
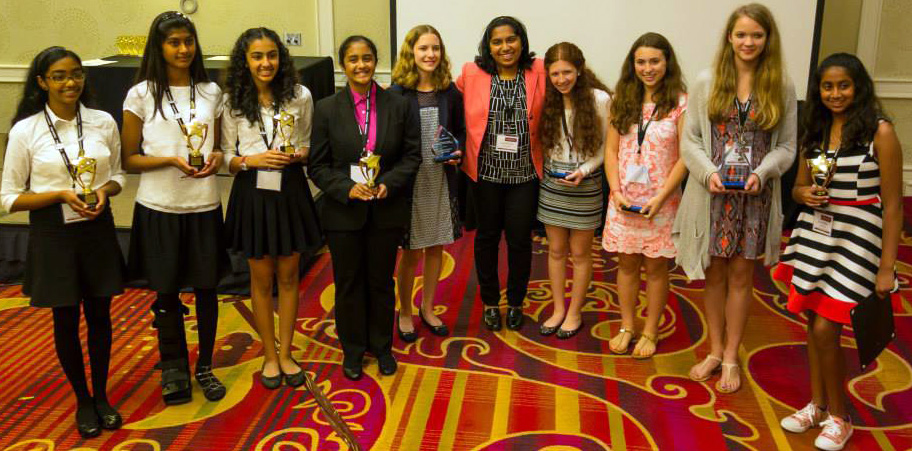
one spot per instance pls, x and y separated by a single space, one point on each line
836 432
809 417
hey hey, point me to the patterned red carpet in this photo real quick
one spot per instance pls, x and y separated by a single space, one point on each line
474 390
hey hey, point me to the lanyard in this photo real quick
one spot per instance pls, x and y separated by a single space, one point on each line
566 129
177 115
59 145
641 129
270 142
743 113
826 143
365 132
509 108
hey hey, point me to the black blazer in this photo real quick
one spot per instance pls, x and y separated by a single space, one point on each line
336 146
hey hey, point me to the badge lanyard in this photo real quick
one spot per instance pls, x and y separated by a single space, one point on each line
826 143
509 108
743 113
567 133
641 129
177 115
365 132
59 145
269 142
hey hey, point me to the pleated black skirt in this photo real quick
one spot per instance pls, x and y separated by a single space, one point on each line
172 251
261 223
69 262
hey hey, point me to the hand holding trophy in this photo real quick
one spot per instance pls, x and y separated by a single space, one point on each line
445 145
369 163
285 122
196 133
83 167
822 171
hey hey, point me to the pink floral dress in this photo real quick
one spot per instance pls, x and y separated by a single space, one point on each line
630 233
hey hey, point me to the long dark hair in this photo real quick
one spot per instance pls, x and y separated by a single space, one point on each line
485 60
628 100
863 114
153 68
588 130
33 97
242 91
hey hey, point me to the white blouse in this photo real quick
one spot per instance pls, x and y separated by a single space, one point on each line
562 154
166 189
33 163
241 137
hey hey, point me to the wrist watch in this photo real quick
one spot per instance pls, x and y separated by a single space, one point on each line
243 163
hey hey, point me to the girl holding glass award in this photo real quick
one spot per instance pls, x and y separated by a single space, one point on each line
177 238
574 119
422 75
645 172
364 157
62 164
271 217
741 121
844 246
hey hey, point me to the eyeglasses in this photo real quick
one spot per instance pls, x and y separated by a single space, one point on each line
63 78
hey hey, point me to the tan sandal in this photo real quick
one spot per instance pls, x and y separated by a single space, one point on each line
706 361
646 339
626 348
729 369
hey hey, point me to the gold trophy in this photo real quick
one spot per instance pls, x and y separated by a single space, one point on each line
370 168
86 166
822 169
285 123
196 134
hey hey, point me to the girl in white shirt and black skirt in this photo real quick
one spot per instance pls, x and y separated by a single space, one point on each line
62 164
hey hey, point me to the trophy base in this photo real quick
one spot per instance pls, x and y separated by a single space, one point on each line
443 158
90 199
633 208
196 161
733 185
287 150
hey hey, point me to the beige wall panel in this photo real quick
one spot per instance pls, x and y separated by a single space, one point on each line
894 49
839 33
370 18
900 111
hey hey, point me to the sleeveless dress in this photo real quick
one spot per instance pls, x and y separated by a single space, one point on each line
831 274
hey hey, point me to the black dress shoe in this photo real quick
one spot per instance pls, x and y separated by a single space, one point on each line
175 386
213 389
352 373
408 337
440 331
107 415
271 382
87 420
514 318
296 379
387 364
564 334
491 318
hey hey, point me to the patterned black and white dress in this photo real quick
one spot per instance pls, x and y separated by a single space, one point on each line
507 115
831 273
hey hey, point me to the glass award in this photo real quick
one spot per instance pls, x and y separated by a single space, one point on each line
735 168
444 146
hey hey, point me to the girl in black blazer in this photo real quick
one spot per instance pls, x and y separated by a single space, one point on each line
364 224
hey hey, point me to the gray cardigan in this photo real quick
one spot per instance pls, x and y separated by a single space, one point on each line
691 227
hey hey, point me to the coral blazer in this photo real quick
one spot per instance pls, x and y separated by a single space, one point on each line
475 85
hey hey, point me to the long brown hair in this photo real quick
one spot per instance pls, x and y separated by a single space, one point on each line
405 73
628 99
767 89
588 131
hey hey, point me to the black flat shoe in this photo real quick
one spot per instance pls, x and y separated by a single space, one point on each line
387 364
271 382
296 379
175 387
213 389
440 331
352 373
491 318
548 330
514 318
87 421
107 415
564 334
408 337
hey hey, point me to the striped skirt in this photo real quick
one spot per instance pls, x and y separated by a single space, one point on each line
573 207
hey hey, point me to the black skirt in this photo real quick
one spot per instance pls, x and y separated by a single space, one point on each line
69 262
172 251
262 223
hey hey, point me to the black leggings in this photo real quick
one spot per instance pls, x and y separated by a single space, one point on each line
69 348
172 337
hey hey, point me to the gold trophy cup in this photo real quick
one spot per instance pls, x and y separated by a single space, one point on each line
196 134
86 166
370 168
822 170
285 123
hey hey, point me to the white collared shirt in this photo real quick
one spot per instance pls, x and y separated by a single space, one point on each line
241 137
34 165
166 189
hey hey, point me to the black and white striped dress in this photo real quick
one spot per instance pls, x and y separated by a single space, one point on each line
831 274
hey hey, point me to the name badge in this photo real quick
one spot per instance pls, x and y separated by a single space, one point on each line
507 143
356 174
737 155
637 173
69 215
269 180
823 223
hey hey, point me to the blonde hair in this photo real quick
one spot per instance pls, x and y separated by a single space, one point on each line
405 73
768 78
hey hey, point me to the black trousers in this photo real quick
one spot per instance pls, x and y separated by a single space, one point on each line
509 210
363 264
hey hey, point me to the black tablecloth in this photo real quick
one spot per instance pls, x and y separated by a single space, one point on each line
110 82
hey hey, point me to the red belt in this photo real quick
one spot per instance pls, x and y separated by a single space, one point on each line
873 200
